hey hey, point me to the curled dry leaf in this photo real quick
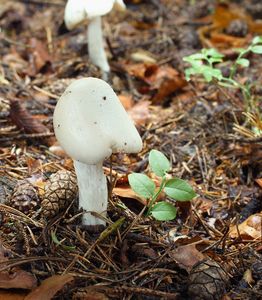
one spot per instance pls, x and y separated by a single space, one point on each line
212 36
139 113
127 101
186 256
24 120
249 229
166 81
11 295
162 80
18 279
127 192
259 182
49 287
38 57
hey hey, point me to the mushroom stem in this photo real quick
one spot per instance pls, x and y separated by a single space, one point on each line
96 49
92 191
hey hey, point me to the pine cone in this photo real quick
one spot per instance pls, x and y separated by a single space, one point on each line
24 197
207 281
60 190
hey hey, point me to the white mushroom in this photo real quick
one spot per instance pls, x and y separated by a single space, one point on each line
90 123
77 11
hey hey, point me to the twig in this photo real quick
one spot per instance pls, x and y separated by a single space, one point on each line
41 2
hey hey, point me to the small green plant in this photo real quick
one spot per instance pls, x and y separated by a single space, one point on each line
175 188
203 64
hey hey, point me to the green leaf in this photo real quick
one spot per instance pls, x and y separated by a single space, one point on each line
163 211
212 53
257 40
256 49
196 56
189 72
213 60
179 190
243 62
142 185
158 163
209 73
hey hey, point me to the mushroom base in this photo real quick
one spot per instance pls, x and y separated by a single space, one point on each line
93 195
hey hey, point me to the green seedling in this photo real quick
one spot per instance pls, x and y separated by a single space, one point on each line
175 188
60 243
203 64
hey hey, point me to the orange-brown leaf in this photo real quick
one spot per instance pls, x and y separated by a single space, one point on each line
49 287
24 120
7 295
186 256
17 280
250 229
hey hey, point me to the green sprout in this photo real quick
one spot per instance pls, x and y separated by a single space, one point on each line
175 188
60 243
203 64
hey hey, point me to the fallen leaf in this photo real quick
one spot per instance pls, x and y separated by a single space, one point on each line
259 182
49 287
127 192
33 165
186 256
161 80
7 295
250 229
140 70
24 120
143 56
166 81
57 150
213 35
38 56
126 100
18 279
139 113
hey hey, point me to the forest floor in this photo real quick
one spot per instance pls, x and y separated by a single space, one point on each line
213 138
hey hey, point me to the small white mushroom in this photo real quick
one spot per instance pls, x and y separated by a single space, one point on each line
77 11
90 123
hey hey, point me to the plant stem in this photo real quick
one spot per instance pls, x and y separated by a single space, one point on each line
154 198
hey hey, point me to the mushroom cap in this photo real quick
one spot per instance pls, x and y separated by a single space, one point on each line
77 11
90 122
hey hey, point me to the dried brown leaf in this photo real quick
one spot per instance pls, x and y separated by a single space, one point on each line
49 287
139 113
259 182
127 101
250 229
24 120
186 256
127 192
7 295
161 80
17 280
39 57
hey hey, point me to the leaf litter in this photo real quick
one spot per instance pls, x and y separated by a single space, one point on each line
201 129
